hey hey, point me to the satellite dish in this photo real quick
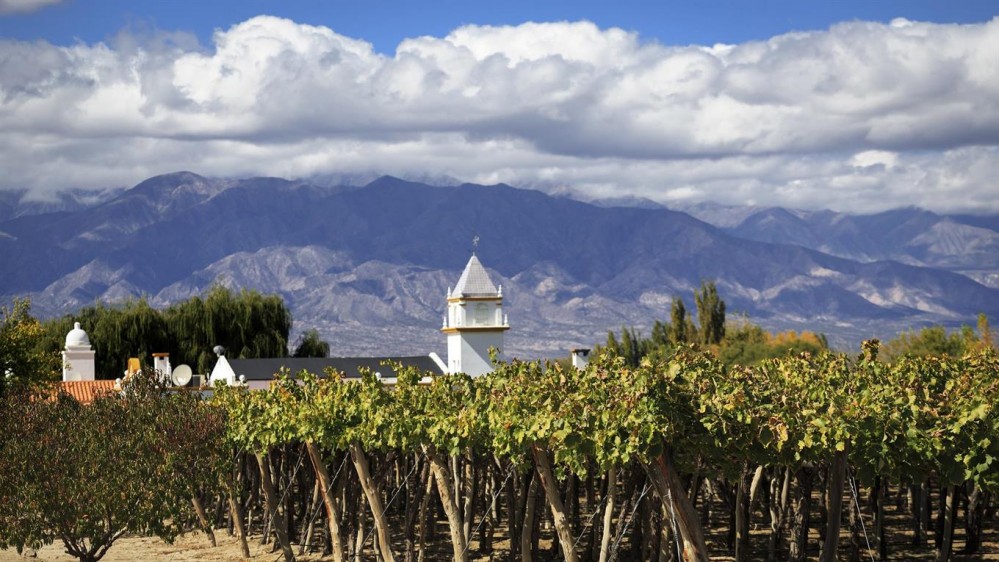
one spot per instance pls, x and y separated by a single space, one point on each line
181 375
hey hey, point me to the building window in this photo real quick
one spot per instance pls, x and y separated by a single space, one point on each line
481 314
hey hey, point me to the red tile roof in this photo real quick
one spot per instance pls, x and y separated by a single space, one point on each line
86 391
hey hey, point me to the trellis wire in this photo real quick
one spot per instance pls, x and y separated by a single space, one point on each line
853 491
482 520
389 504
631 517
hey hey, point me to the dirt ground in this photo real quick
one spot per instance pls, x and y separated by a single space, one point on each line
196 547
190 547
187 548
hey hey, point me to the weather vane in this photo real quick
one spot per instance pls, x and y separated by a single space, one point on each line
475 242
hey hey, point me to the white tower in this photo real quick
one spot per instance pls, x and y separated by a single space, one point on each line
475 321
78 357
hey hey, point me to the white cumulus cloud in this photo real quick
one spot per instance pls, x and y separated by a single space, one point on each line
24 6
860 117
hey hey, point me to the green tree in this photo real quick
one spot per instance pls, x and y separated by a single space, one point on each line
87 475
633 346
746 343
310 344
612 347
986 336
710 313
247 324
678 323
129 329
22 360
660 336
929 341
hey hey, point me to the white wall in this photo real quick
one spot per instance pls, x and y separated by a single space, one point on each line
472 349
78 365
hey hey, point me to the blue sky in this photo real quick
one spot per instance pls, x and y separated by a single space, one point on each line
385 23
849 105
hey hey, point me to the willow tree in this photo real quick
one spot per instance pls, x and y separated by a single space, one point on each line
129 329
247 324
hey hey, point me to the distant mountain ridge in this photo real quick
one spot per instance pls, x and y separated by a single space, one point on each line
962 244
369 266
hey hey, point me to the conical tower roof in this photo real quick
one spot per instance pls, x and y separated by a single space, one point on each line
474 281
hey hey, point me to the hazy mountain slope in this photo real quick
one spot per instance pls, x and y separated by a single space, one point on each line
370 266
962 244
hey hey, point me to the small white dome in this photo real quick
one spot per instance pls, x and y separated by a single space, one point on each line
77 337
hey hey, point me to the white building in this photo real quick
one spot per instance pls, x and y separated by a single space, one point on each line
474 322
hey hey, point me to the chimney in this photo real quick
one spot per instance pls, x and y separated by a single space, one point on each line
78 356
161 364
580 358
133 366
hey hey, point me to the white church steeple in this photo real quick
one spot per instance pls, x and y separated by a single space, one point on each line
475 321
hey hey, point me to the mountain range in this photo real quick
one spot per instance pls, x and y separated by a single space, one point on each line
369 266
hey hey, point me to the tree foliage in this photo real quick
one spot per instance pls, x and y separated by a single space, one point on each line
734 341
938 341
670 419
710 313
86 475
679 331
932 340
22 360
657 411
747 344
310 344
247 324
687 412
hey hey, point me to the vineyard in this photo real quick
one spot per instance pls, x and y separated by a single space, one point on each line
679 458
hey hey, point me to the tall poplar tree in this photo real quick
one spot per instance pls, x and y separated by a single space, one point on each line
678 323
710 313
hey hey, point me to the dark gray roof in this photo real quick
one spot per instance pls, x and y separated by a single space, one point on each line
264 369
474 281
